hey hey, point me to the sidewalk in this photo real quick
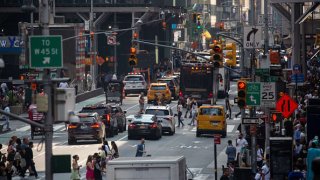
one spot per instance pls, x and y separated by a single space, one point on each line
19 128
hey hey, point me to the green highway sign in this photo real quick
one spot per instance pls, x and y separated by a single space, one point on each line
45 51
262 72
253 94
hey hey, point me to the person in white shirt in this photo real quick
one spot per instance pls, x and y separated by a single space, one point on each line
7 109
179 110
63 85
240 143
259 156
266 170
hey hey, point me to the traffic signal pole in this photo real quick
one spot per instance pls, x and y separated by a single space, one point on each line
48 124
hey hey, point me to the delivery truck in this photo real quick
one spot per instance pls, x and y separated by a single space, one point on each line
146 168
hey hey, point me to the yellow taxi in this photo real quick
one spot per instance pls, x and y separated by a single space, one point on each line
158 92
211 120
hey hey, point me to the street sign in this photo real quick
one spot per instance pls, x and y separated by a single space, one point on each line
297 67
297 78
253 91
45 51
268 93
111 40
217 138
254 120
252 37
262 72
286 105
261 19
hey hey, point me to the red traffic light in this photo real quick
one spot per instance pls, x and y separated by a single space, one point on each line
274 117
133 50
241 85
135 35
217 48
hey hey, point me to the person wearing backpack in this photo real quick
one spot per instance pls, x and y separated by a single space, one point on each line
259 156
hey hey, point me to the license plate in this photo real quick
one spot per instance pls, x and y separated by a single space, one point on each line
215 123
143 127
195 96
84 127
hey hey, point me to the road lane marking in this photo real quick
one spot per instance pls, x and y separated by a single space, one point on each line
122 138
25 128
230 128
132 107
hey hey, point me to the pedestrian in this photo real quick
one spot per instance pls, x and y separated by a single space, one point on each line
315 168
241 142
258 175
295 174
266 170
141 148
188 108
32 167
75 171
179 110
228 106
231 152
141 102
106 147
297 133
63 85
194 112
89 168
97 167
225 175
6 118
114 150
259 156
313 153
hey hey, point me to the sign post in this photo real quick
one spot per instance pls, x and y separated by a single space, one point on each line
217 140
45 51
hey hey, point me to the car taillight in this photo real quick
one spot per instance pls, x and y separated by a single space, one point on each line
210 95
153 126
131 126
180 94
72 126
107 116
95 125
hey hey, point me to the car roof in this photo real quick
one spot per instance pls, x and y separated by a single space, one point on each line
87 114
158 84
159 107
166 79
208 106
141 117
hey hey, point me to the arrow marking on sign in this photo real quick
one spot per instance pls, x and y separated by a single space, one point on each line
254 31
253 100
46 60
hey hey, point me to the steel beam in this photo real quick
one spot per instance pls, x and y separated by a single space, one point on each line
282 11
307 13
292 1
87 10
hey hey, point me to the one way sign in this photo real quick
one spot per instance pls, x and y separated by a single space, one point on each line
252 37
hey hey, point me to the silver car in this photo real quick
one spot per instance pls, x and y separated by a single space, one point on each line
165 114
134 84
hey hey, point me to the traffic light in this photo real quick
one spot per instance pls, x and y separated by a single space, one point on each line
198 22
216 54
133 61
274 57
92 35
317 41
164 25
194 18
231 59
276 117
242 93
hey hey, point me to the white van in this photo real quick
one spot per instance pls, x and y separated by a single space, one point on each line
146 168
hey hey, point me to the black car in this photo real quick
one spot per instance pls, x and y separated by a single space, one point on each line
112 115
144 125
87 127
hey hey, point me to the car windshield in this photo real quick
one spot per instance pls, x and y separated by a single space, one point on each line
157 112
133 78
87 119
143 120
100 111
211 111
158 87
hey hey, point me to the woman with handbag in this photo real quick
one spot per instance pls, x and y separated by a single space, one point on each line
75 174
114 150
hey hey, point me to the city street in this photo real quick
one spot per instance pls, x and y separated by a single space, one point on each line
196 150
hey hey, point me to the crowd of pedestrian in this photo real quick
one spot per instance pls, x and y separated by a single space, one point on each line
18 159
96 164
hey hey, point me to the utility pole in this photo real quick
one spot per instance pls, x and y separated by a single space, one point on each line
92 49
44 22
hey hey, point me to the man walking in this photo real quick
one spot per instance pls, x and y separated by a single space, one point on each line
179 110
141 149
231 152
6 118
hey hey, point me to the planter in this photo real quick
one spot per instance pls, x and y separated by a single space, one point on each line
16 109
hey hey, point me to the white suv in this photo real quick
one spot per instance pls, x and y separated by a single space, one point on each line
134 84
165 114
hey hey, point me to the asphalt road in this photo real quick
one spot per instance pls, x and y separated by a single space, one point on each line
199 152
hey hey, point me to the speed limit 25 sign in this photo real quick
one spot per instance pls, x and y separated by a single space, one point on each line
268 93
